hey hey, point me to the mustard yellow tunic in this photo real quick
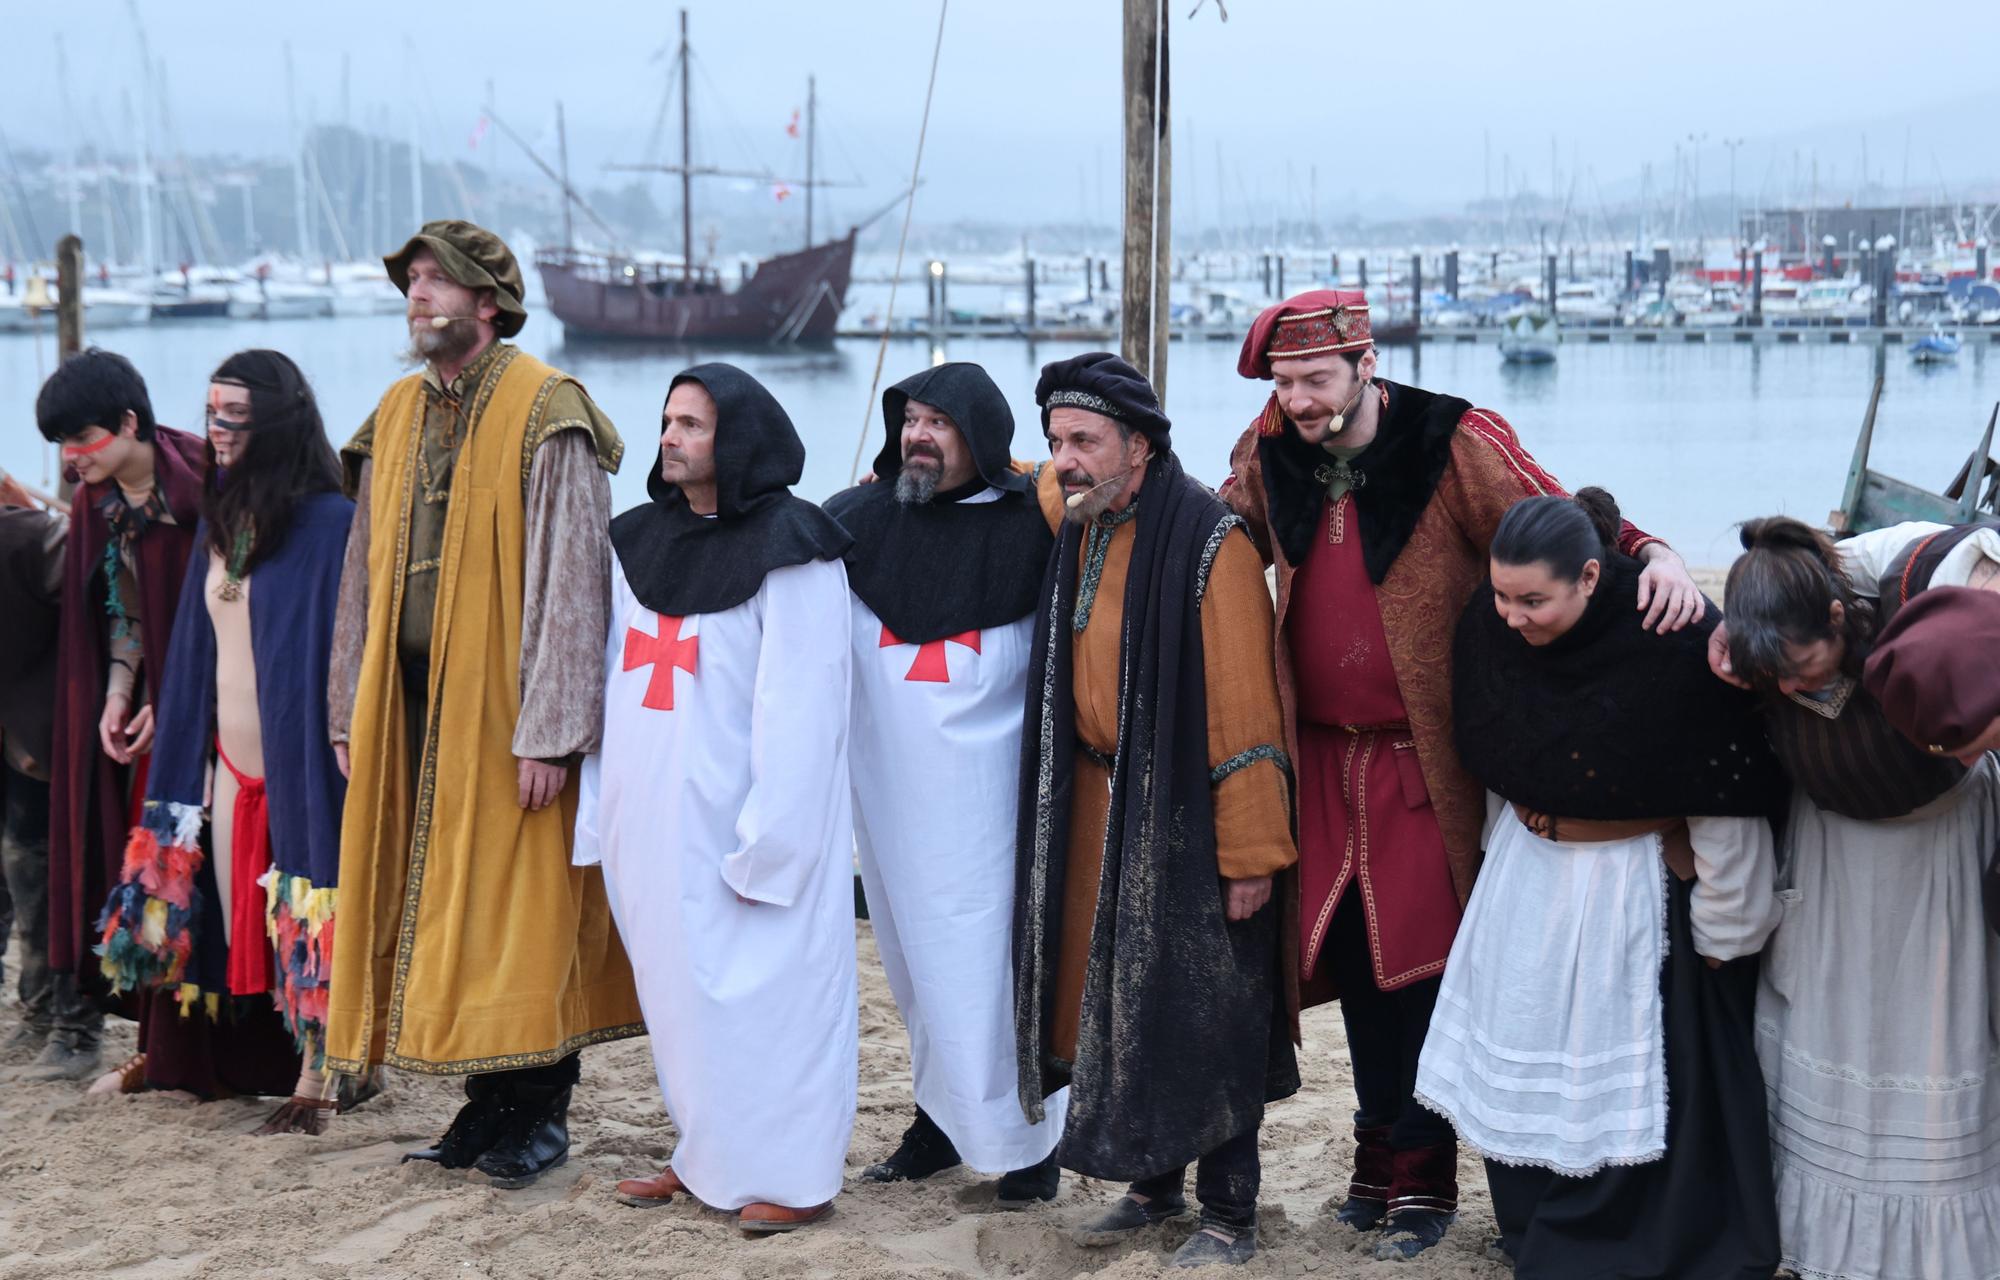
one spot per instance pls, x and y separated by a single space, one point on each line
468 942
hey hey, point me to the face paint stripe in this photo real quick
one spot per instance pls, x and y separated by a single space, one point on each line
85 450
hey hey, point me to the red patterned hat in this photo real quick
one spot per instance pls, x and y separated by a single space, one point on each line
1315 323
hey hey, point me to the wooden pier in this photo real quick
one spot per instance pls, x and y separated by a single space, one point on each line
1973 336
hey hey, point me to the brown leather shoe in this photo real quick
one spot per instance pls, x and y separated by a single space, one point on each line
650 1193
768 1219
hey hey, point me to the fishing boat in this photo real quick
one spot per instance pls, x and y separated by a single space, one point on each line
1935 347
115 308
1874 499
790 298
1529 337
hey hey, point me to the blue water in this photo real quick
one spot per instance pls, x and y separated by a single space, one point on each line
1691 438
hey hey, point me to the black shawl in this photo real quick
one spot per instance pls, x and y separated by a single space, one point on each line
681 563
1608 721
947 566
1182 1037
1402 465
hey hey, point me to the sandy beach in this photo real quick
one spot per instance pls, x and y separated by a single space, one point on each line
155 1186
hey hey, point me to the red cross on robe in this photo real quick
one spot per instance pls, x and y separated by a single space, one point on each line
930 665
664 653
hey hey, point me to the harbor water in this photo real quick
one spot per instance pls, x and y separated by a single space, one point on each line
1691 438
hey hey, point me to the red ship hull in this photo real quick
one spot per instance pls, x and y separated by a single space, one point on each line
795 297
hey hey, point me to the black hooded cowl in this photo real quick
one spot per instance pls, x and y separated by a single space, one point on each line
1403 464
945 567
1183 1035
680 563
1608 721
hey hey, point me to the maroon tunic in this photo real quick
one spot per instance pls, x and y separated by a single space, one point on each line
1365 816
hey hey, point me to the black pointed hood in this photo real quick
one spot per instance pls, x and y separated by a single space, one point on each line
967 559
974 402
679 562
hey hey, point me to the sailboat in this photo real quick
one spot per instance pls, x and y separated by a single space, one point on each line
794 297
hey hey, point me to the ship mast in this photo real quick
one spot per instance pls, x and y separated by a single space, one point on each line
812 101
687 165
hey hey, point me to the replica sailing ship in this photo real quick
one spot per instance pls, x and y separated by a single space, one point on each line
794 297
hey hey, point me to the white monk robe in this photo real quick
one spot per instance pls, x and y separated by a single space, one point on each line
937 767
724 773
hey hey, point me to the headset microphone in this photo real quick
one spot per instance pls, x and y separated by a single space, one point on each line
1076 500
1340 419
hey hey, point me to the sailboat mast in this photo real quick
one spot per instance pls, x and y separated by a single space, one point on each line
812 102
562 149
687 160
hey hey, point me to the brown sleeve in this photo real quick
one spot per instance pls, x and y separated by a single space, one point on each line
350 610
1491 471
566 602
1244 491
1253 825
1048 491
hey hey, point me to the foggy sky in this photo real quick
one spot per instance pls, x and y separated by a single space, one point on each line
1394 104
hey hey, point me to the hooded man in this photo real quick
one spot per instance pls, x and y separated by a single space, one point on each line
1377 503
719 806
465 681
949 550
1155 810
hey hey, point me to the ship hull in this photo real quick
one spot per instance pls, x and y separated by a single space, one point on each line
792 298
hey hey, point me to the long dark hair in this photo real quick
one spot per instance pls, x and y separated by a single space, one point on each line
1781 591
286 457
1563 533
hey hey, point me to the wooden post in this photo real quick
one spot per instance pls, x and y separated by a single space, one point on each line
1148 268
1417 290
69 297
1031 296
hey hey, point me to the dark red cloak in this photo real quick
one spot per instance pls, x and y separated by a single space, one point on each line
88 791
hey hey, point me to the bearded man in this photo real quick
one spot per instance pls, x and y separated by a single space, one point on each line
1376 502
466 681
949 549
1155 811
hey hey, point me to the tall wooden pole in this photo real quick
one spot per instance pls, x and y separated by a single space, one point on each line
69 297
1148 270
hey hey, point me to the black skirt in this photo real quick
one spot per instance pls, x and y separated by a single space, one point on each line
1706 1210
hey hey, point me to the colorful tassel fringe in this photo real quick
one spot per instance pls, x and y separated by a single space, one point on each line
300 921
147 923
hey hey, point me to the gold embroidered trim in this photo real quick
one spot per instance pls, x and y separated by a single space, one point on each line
1835 702
504 1062
539 431
420 817
425 566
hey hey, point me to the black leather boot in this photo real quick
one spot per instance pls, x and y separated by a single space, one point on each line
1035 1184
474 1130
925 1150
534 1136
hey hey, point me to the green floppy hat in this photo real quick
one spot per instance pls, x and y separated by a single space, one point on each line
475 258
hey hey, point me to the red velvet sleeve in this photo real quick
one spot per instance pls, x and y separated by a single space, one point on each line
1497 471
